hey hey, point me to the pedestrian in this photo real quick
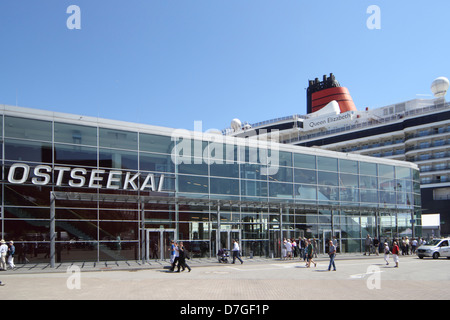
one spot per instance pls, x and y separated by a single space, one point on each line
3 252
335 243
395 253
172 251
294 247
332 255
236 252
309 252
407 246
182 255
22 252
11 252
176 255
303 250
284 250
288 245
403 246
314 243
367 244
376 245
301 247
413 246
386 253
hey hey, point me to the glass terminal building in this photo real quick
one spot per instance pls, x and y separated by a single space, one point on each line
78 188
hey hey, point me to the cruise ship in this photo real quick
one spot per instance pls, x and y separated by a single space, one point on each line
417 131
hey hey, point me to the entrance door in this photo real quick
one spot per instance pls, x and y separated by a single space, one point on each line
158 243
227 237
327 236
275 243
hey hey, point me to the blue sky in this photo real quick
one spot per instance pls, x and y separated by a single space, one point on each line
173 62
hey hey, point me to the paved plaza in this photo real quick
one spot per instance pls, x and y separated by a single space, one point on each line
357 277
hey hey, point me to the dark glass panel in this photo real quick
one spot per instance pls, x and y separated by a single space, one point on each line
76 155
155 143
305 176
116 159
368 168
282 175
327 178
28 129
348 166
325 163
77 230
76 213
403 173
252 188
305 192
27 213
348 180
285 159
118 250
28 151
304 161
193 168
225 170
27 195
31 239
252 171
156 162
75 134
192 184
111 138
225 186
132 215
280 190
386 171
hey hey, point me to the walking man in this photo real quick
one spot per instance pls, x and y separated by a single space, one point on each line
332 254
236 253
182 255
3 252
368 245
11 252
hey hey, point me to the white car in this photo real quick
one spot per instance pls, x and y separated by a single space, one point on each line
436 248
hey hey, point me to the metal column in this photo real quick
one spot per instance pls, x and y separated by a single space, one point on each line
52 230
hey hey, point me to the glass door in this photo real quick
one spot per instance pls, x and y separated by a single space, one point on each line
158 243
329 235
227 237
275 243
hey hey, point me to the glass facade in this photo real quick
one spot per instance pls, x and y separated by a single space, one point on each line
123 193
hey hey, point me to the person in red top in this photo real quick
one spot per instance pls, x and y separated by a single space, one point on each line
395 252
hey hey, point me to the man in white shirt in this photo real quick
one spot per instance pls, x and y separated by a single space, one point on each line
236 252
3 251
288 245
